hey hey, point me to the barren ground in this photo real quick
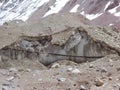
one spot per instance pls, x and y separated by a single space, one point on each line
102 74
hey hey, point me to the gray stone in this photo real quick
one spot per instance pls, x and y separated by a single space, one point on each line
10 78
62 79
82 87
69 69
25 44
91 66
55 65
5 87
13 69
76 71
99 82
103 70
31 49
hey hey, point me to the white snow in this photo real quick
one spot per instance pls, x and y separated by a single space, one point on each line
91 16
117 14
114 11
13 9
59 4
110 24
107 5
75 8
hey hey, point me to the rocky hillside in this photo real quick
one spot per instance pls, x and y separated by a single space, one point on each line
99 12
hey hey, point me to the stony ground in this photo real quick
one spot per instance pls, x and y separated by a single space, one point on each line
102 74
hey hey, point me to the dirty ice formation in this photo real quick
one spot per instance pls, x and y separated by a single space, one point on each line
78 45
63 40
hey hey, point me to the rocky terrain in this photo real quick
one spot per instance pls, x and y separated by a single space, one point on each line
60 52
102 74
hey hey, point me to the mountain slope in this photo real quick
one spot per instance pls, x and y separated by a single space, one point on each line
99 12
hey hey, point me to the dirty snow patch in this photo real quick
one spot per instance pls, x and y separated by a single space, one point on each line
91 16
114 10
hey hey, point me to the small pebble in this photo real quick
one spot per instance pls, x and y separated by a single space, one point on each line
110 78
55 65
91 66
99 82
13 69
10 78
21 70
69 69
40 79
5 87
76 71
28 70
118 69
82 87
68 89
0 58
110 60
31 49
61 79
103 70
34 88
111 65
